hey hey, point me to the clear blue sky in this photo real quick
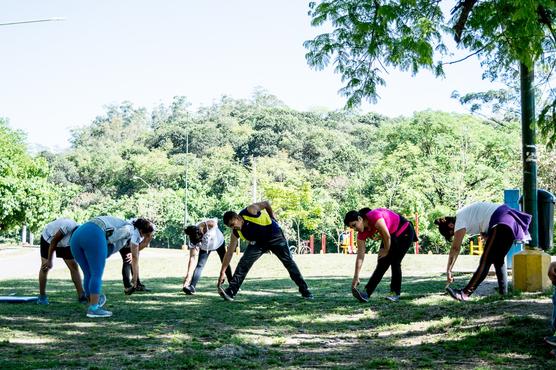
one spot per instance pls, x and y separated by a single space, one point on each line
59 75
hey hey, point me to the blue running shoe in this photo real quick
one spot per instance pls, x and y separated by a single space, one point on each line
43 299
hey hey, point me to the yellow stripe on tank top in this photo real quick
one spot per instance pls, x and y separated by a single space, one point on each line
263 220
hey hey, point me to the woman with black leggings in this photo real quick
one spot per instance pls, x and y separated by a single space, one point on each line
396 234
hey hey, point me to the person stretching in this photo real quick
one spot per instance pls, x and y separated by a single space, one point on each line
92 243
55 238
256 223
204 238
500 225
396 235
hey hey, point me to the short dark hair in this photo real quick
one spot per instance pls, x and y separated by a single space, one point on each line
443 227
228 216
194 234
354 215
143 225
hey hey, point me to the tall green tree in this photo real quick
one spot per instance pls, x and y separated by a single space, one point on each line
26 195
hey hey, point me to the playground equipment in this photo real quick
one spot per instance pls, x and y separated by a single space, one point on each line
476 250
346 241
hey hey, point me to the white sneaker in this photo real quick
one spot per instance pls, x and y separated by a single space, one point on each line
393 297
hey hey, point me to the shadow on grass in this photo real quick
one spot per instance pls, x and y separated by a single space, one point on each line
269 325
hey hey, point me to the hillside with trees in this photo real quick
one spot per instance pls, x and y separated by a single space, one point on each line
314 166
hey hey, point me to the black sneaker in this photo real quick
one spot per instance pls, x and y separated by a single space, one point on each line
308 295
457 294
226 294
188 289
362 297
142 288
129 291
83 299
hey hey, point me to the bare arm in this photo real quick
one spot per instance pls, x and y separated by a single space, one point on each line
135 263
454 253
191 265
146 241
386 237
210 224
227 258
53 244
358 262
256 207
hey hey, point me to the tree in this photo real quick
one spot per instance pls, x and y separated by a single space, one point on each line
26 196
371 35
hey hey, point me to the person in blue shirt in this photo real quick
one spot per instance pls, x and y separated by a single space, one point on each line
257 224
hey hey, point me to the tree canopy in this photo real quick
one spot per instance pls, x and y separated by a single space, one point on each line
312 166
368 37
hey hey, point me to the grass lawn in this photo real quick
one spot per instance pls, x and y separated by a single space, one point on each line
270 326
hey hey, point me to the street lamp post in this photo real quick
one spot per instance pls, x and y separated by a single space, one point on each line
135 177
55 19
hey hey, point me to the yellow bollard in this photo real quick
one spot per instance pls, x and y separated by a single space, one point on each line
237 250
530 269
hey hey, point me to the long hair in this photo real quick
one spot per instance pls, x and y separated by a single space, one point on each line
143 225
194 233
445 230
354 215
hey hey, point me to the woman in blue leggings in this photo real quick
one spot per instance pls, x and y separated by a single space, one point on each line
91 244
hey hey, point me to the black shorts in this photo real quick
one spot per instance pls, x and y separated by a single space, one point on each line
124 251
64 252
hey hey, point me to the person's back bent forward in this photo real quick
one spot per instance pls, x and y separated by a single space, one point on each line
257 224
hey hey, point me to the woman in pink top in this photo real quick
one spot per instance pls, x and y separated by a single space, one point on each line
396 234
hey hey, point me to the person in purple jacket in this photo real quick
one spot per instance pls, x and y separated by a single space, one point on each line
396 235
500 225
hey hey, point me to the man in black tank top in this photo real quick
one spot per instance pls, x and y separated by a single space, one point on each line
256 223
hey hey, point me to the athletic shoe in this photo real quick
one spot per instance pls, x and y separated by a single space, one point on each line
130 290
393 297
83 299
42 299
188 289
308 295
98 312
142 288
551 340
362 297
226 294
457 294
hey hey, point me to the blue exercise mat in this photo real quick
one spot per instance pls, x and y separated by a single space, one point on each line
17 299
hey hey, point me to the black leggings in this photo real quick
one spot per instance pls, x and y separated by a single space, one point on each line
499 241
398 248
127 270
279 248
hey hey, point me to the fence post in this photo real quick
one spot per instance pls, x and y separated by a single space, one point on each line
417 232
